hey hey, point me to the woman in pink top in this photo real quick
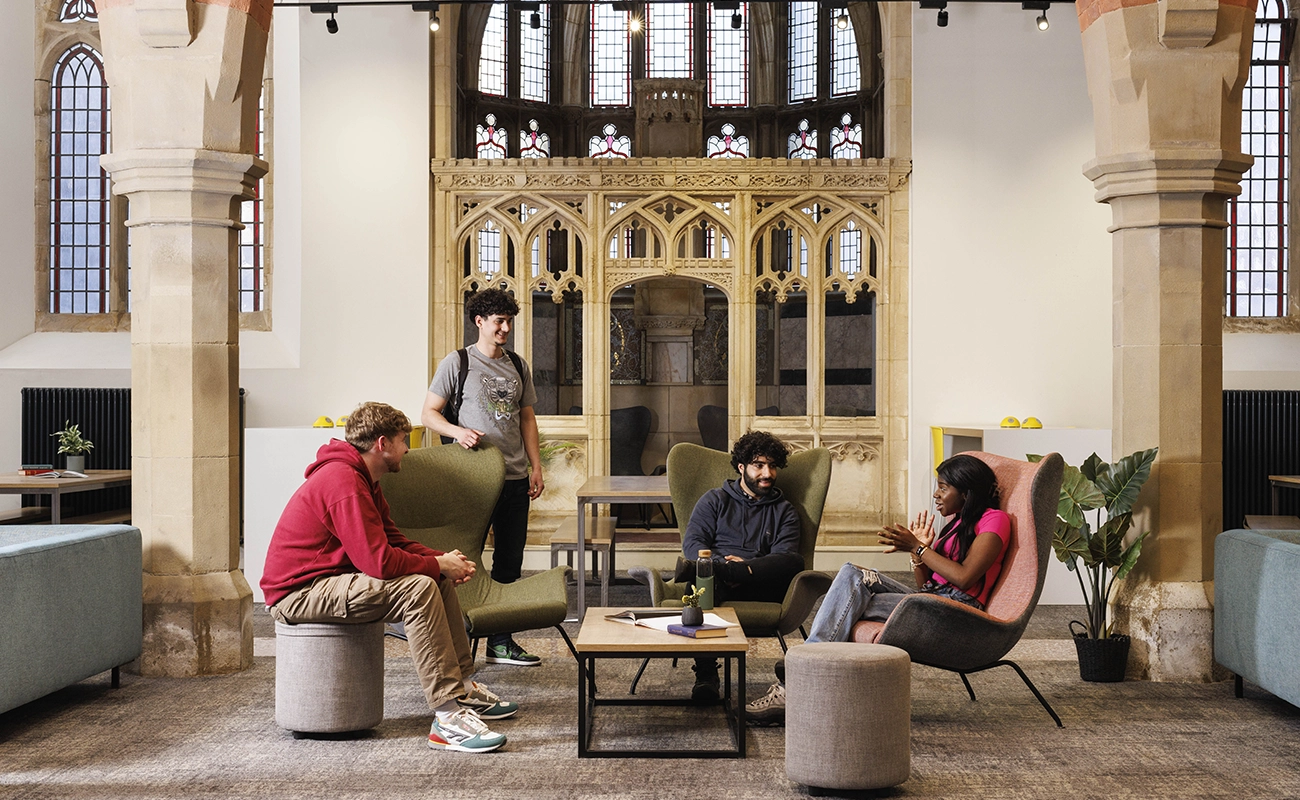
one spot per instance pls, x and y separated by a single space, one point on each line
961 562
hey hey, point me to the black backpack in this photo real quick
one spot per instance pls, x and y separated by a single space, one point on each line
451 412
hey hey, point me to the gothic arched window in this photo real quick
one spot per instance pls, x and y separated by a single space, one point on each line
535 55
611 73
802 47
1257 274
492 54
79 188
728 56
78 11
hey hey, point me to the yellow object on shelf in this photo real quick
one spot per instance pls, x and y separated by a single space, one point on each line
1010 422
341 422
323 422
1031 422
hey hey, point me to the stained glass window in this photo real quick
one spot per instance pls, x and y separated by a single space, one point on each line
78 11
611 76
728 57
252 278
846 140
1257 274
489 140
533 143
492 56
728 145
535 55
846 76
489 250
803 51
610 144
668 42
803 142
79 188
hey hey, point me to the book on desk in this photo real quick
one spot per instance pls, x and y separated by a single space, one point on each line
698 631
664 619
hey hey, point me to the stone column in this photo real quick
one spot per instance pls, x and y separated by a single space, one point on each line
185 77
1166 80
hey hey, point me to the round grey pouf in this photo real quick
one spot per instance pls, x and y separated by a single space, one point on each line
329 678
848 715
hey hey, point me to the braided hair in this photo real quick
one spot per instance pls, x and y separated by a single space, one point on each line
979 490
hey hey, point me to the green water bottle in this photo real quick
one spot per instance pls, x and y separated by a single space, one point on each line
704 578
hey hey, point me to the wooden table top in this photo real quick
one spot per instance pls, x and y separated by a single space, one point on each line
600 635
1288 480
617 488
37 484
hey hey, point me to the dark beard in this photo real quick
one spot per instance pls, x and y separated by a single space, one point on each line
757 490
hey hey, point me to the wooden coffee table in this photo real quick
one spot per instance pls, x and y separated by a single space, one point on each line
602 638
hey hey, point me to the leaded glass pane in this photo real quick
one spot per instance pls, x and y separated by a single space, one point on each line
803 142
535 55
846 140
252 239
489 140
611 76
728 145
728 57
492 56
610 144
803 51
846 76
78 11
669 44
533 143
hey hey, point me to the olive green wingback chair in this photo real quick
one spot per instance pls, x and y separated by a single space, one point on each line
694 470
443 498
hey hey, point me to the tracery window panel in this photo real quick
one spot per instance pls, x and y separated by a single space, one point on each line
728 145
492 54
252 239
79 188
850 366
609 144
781 353
846 140
803 142
846 73
1257 280
489 140
802 48
78 11
728 55
533 143
489 250
535 55
611 73
669 41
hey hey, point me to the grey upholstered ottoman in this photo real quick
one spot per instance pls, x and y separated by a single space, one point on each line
329 678
848 715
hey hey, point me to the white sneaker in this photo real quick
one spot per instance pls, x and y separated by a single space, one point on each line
486 703
768 709
463 731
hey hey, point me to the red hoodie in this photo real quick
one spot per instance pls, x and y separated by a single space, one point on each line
338 522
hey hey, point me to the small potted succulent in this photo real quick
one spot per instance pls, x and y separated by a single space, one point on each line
692 614
73 445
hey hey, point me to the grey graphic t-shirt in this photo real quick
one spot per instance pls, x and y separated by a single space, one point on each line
494 394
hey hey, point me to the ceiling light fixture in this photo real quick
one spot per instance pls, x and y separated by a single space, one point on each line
331 24
942 5
842 21
432 8
1040 6
736 20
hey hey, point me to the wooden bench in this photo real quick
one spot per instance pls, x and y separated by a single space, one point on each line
1261 522
599 540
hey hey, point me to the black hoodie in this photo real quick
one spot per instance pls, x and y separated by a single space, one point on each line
731 523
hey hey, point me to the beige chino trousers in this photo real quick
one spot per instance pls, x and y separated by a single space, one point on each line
435 627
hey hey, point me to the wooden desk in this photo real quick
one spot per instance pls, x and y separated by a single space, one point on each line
603 638
1282 482
57 487
612 489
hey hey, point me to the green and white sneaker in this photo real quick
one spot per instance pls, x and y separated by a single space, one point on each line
464 732
485 703
511 653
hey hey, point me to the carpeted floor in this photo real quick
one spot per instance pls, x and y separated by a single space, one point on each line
216 737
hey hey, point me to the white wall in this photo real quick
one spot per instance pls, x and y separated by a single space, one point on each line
17 173
1011 259
1261 361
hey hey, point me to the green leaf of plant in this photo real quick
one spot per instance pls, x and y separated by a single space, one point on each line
1131 556
1107 546
1033 459
1068 544
1078 494
1123 480
1089 467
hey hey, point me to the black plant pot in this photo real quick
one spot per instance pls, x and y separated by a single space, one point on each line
1102 660
692 615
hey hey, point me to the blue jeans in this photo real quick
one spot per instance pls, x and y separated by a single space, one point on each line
858 594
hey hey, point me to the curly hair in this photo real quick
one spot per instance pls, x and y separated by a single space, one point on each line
369 421
491 302
759 443
979 490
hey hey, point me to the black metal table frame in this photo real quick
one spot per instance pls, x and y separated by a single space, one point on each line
733 704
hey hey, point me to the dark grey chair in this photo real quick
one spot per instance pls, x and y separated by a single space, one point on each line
713 427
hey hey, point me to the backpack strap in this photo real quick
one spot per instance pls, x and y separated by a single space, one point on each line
461 377
518 362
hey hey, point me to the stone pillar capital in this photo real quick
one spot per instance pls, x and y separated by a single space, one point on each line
183 186
1190 184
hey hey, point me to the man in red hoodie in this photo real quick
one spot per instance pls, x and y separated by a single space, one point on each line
336 556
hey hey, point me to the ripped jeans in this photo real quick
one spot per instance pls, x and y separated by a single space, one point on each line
858 594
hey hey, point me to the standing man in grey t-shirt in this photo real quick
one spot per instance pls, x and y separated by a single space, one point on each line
496 407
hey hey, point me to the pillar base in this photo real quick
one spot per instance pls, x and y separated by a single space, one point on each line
197 625
1172 628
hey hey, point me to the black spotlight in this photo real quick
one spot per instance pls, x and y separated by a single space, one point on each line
736 21
943 18
535 21
332 25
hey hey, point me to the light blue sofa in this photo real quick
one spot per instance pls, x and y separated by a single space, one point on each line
1256 606
70 606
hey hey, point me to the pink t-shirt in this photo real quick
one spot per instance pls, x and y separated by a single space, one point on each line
993 521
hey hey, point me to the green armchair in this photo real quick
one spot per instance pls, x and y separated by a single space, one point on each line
443 498
694 470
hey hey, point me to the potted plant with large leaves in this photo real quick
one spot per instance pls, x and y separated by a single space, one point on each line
1102 552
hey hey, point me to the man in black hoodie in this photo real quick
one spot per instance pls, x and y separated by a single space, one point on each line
753 532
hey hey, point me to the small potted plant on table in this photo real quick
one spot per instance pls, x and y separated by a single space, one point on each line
73 445
1113 488
692 614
